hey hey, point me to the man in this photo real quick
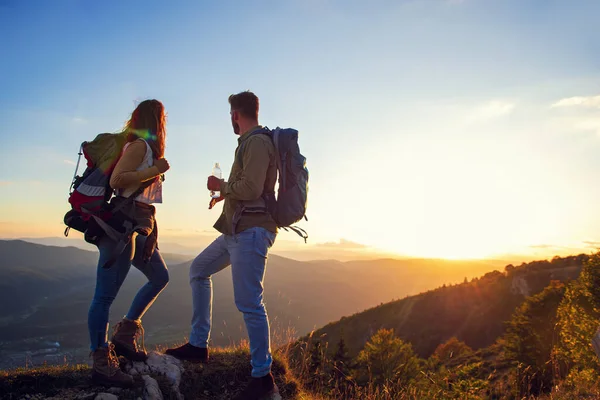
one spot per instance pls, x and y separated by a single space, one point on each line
246 237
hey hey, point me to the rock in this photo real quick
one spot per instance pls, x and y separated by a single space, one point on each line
106 396
115 390
137 368
168 366
151 389
274 396
85 396
158 363
173 373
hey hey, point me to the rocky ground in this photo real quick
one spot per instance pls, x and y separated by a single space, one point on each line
161 377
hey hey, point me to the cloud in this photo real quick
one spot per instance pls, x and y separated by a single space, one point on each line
552 247
79 120
578 101
581 113
543 246
6 183
566 249
490 110
342 244
69 162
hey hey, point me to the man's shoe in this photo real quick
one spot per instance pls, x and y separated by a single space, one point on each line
260 389
190 353
106 369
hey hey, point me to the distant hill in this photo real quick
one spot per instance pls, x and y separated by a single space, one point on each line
46 293
30 273
474 311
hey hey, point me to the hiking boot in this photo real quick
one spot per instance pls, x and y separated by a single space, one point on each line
190 353
106 369
260 389
125 336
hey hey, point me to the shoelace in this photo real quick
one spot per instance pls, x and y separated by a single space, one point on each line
112 359
139 331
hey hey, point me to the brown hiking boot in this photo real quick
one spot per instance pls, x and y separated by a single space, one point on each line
106 369
125 335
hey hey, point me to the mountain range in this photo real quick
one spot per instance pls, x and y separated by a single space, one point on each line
45 293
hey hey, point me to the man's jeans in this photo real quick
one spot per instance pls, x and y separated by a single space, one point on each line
247 254
109 281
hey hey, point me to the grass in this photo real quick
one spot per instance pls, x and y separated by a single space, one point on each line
229 370
226 373
62 382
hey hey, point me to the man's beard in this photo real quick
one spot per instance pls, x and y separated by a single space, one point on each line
236 127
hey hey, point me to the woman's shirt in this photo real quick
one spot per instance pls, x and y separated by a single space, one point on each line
136 166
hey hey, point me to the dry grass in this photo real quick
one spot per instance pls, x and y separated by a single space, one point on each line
59 382
227 372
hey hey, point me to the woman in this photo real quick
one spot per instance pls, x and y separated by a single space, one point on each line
140 165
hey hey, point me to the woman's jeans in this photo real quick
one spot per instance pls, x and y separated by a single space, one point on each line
109 281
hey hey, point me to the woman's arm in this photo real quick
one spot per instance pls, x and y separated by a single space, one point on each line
125 175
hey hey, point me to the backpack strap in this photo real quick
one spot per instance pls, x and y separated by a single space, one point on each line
79 154
281 165
129 200
240 152
122 239
301 232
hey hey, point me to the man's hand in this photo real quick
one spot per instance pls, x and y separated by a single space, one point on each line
213 202
213 183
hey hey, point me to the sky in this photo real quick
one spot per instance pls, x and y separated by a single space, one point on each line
431 128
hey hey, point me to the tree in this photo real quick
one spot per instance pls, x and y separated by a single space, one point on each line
316 356
341 359
578 316
341 365
530 338
386 358
590 278
451 350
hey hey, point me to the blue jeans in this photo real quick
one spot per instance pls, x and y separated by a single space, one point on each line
109 281
247 254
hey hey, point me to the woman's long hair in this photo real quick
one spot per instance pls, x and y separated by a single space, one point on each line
148 121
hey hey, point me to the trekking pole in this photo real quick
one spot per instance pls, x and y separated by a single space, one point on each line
76 169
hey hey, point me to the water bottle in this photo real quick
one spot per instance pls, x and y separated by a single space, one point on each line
216 172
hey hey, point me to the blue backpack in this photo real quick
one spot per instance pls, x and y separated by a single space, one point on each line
290 204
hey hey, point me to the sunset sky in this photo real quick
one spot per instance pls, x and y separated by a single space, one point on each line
432 128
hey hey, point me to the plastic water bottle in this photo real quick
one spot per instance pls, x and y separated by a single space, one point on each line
216 172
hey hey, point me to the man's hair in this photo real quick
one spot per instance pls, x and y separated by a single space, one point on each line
246 103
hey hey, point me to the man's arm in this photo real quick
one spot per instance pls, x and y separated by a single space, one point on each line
256 159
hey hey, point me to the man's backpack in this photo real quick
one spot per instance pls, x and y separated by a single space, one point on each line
89 195
290 204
